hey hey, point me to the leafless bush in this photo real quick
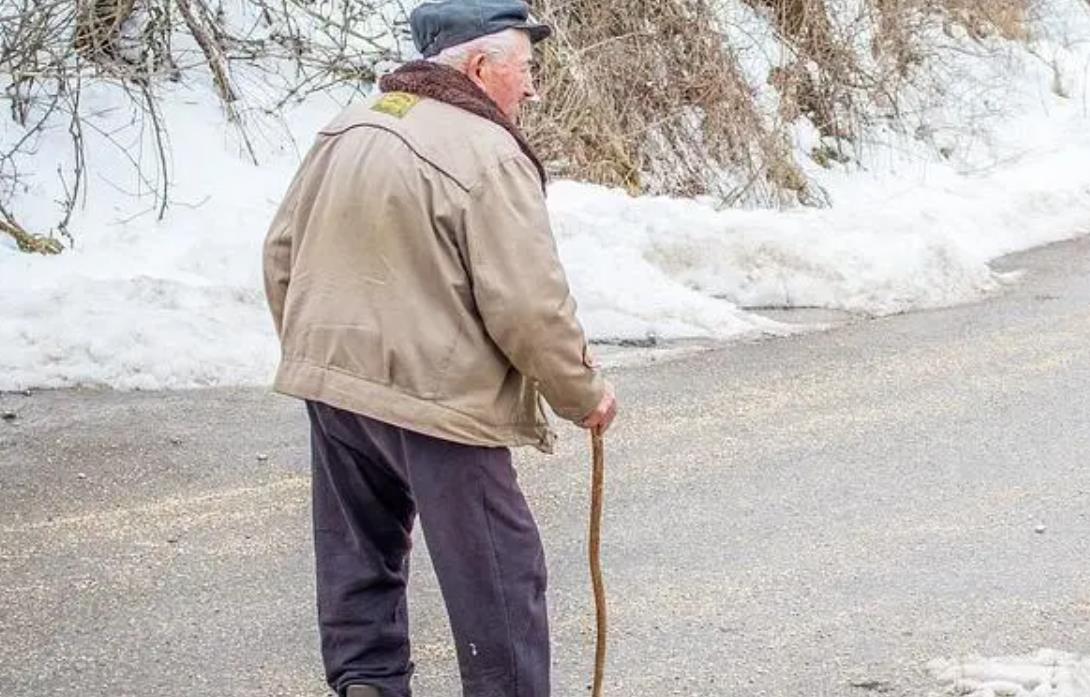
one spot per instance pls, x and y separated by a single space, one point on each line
848 67
983 18
328 43
646 95
51 49
650 95
37 92
821 79
920 44
901 23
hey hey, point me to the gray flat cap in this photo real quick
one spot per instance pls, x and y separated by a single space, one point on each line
439 24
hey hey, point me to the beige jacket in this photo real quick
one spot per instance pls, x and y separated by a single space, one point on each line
413 278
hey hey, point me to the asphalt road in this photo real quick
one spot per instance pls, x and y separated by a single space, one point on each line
818 515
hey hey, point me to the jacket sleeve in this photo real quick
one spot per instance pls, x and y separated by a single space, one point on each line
522 292
277 252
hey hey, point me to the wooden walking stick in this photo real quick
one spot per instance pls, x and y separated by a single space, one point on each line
595 549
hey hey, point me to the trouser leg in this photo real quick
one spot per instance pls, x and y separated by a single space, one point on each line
482 539
363 516
490 563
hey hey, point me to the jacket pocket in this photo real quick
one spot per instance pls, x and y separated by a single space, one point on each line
354 349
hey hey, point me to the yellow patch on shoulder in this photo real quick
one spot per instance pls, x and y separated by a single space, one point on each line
396 104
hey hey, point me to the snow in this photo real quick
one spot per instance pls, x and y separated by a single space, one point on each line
144 304
140 304
1048 673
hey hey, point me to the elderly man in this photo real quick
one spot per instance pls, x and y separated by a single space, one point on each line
423 315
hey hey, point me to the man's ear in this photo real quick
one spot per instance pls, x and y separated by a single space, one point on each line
475 66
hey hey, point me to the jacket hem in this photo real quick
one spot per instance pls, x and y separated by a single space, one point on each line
385 403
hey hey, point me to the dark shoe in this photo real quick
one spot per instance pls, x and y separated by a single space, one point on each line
362 691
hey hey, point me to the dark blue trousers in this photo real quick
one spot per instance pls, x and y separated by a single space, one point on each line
371 479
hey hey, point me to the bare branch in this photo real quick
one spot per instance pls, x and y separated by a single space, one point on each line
36 244
202 29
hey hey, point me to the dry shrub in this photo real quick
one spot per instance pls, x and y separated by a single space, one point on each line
51 50
899 21
829 78
819 79
643 94
898 28
98 26
910 51
983 18
647 95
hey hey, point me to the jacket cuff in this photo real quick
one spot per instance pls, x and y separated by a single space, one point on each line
581 405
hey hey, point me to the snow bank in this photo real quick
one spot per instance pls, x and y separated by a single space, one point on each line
893 241
1047 673
141 304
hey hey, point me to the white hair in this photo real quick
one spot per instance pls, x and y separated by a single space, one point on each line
498 45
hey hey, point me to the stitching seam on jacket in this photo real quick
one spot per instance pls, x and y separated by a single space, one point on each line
403 139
